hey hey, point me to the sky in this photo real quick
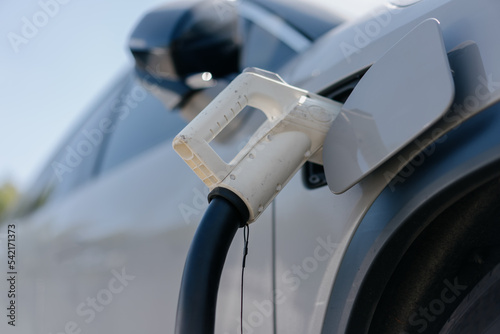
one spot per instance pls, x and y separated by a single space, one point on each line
51 74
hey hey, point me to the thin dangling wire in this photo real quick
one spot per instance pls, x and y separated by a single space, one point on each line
246 235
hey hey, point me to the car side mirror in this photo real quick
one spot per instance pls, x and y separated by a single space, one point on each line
188 38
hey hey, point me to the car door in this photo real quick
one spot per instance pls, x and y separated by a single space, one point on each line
103 250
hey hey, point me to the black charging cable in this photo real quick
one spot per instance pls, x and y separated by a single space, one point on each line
197 303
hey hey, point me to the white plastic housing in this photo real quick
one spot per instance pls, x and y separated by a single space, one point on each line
295 129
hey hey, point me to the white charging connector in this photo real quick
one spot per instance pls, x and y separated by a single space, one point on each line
294 132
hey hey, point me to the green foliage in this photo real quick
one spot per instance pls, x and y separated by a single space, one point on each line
8 197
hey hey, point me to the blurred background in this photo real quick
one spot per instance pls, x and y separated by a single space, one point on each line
51 74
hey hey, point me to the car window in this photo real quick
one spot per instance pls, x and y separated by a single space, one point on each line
73 163
264 50
140 123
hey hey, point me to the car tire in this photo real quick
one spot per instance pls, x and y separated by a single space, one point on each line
445 278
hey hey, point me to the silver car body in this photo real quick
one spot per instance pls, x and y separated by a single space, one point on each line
109 257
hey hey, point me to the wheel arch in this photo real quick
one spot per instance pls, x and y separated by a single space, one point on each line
456 168
402 232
